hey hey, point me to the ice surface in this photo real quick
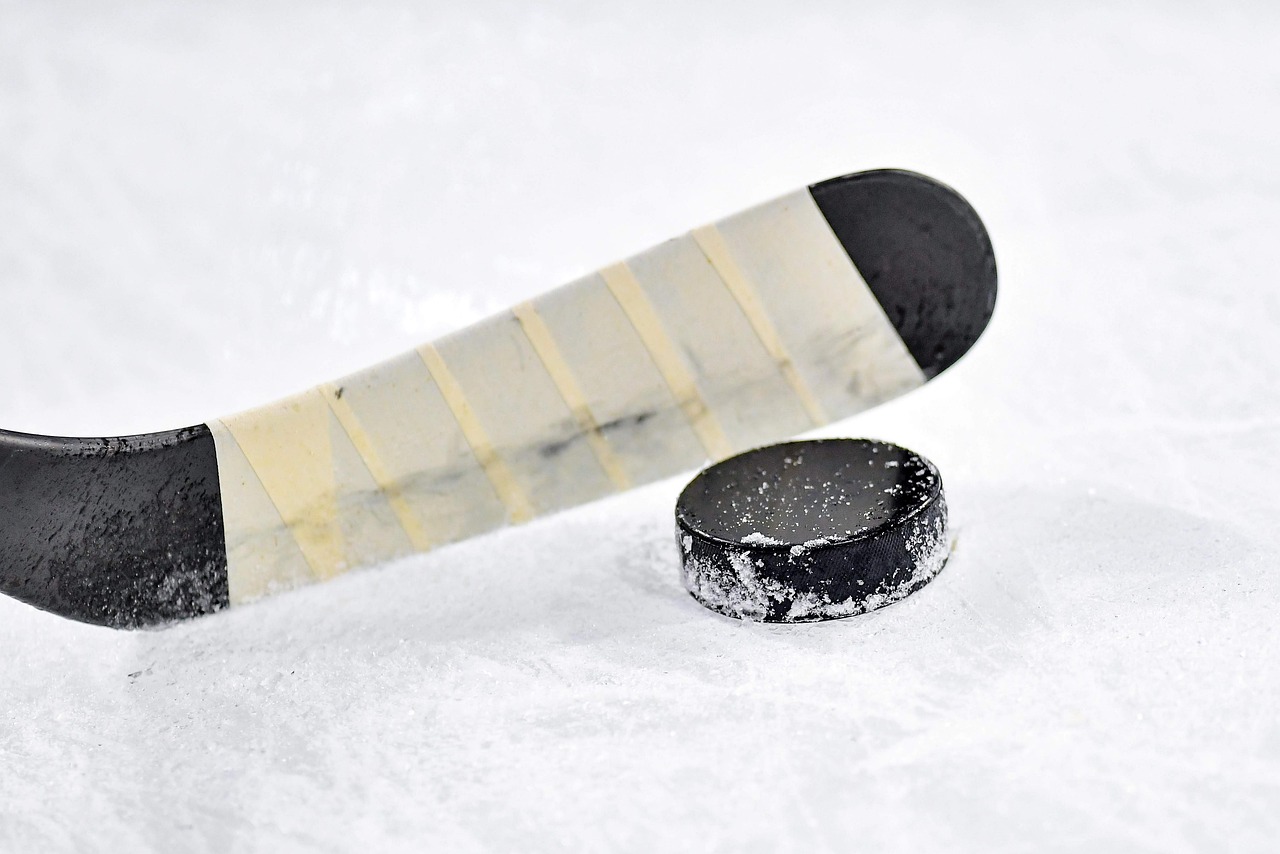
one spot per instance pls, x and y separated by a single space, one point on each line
203 207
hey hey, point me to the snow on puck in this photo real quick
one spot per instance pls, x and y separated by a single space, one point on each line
805 531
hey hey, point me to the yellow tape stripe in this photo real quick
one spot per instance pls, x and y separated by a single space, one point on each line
287 446
713 246
544 344
635 303
373 462
499 474
249 566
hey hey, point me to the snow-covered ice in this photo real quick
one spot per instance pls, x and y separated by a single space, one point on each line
206 206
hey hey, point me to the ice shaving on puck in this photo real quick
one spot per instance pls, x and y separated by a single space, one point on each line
817 530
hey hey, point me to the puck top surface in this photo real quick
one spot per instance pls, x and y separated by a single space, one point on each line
797 493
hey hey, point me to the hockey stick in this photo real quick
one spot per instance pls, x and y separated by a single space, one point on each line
800 311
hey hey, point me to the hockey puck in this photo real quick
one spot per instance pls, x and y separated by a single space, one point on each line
805 531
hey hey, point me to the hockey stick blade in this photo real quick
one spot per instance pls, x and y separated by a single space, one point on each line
763 325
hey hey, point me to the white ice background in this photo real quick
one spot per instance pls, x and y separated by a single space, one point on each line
205 206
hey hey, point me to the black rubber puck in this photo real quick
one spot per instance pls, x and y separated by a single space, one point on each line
806 531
